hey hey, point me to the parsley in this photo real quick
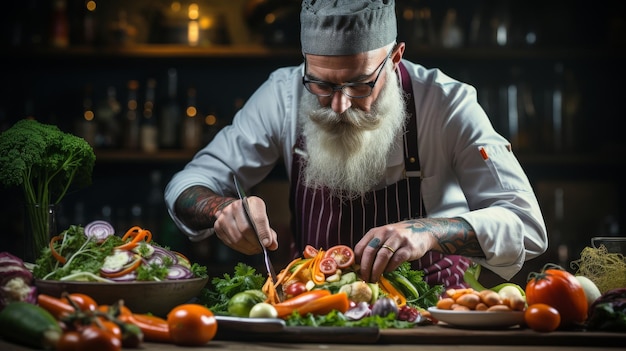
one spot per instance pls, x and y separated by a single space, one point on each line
222 289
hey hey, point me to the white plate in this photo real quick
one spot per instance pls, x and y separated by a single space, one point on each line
478 319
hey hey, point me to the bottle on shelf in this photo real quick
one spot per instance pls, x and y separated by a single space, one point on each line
108 115
169 121
131 127
192 124
149 130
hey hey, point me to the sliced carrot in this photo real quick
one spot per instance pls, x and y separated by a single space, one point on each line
131 232
142 234
128 269
285 308
154 328
316 274
326 304
54 252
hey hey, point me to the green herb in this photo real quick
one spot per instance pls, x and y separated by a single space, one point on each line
44 161
244 278
338 319
428 296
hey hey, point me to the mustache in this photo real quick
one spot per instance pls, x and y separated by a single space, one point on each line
353 118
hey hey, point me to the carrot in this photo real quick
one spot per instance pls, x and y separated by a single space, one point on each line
154 328
56 306
136 237
132 232
392 292
54 252
285 308
316 275
129 268
326 304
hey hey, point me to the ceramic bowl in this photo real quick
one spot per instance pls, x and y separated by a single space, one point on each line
157 298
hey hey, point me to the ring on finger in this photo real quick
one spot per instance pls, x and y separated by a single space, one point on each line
389 248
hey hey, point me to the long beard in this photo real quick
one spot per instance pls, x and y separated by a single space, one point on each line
348 152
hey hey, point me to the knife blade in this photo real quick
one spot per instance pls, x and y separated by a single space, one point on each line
266 257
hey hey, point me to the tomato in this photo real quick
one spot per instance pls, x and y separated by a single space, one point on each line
542 318
69 341
191 325
309 251
560 289
112 327
328 266
342 254
94 338
83 301
295 289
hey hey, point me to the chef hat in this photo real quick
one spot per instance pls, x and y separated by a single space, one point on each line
346 27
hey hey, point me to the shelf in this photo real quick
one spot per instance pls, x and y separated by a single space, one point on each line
260 51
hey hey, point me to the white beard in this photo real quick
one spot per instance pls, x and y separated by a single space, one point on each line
348 152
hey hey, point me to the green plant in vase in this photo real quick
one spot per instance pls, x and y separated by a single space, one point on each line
46 163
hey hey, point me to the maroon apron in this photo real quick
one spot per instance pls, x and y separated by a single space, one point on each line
321 220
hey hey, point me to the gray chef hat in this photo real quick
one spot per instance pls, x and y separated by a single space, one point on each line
346 27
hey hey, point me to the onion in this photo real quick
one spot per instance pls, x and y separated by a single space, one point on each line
159 255
361 310
99 230
177 271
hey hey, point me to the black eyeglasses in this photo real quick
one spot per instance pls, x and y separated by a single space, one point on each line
353 90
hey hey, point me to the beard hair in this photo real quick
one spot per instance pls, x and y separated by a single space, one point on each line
348 152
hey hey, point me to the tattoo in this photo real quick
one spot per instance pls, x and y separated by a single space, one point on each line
454 235
197 206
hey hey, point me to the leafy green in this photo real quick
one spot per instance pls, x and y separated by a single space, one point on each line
428 295
82 254
44 161
338 319
216 296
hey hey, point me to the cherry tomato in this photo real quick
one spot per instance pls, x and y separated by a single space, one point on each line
542 318
83 301
342 254
309 251
560 289
113 328
69 341
94 338
191 325
295 289
328 265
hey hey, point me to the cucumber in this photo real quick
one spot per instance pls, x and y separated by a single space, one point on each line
29 325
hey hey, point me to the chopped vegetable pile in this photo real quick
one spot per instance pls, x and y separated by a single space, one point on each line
99 255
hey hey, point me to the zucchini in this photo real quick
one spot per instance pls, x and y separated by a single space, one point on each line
29 325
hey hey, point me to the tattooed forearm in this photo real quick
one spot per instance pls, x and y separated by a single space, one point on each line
454 235
197 206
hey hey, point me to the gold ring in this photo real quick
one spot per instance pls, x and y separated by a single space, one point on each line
389 248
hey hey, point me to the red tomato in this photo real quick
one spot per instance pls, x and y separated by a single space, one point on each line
94 338
191 325
83 301
328 265
295 289
560 289
342 254
69 341
309 251
542 318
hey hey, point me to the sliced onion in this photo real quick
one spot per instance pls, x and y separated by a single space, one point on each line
177 271
99 230
126 277
115 262
162 253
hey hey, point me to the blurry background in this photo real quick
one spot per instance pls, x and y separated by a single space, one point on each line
148 83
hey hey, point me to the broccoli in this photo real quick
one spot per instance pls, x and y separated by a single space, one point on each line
44 161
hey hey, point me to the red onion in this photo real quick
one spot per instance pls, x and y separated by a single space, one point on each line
99 230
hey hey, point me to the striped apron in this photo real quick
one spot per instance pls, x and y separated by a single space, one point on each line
321 220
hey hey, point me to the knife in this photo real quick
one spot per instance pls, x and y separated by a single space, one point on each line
266 257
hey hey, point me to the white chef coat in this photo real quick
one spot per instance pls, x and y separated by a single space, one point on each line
468 169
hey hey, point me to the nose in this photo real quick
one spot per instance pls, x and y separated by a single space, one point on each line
340 102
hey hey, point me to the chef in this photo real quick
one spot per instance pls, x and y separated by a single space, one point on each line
396 160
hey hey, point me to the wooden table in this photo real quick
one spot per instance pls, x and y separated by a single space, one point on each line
424 338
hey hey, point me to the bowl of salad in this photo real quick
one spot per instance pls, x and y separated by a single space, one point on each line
93 260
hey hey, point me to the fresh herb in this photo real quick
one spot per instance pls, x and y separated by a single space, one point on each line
217 296
45 162
428 296
338 319
83 255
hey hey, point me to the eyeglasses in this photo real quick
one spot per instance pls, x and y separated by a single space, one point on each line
353 90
